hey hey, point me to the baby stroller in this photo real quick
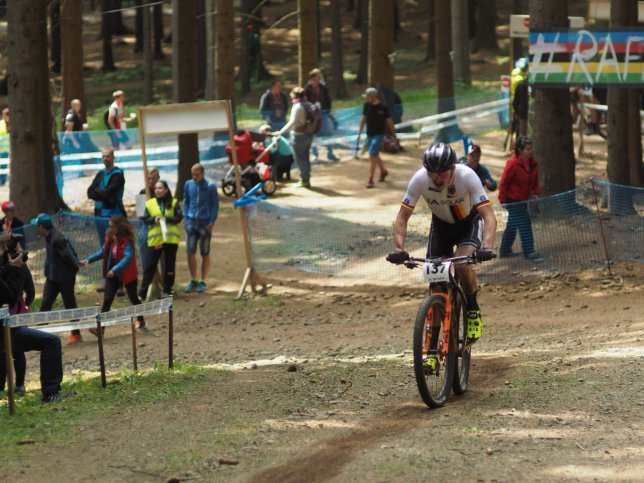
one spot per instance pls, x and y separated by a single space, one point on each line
250 172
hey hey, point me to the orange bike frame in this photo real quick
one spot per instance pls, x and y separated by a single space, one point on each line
447 321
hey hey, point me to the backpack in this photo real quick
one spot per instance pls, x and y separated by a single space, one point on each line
106 116
313 118
391 144
71 257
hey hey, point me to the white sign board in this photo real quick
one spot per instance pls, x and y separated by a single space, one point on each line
520 25
600 10
184 118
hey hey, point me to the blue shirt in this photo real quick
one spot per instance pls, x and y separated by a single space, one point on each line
200 203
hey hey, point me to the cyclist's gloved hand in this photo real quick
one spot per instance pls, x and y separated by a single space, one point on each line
398 257
484 254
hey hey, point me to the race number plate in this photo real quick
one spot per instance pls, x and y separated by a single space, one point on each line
436 272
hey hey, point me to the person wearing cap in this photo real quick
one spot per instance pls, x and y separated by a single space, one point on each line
474 162
301 139
11 223
317 92
281 153
116 121
61 265
377 118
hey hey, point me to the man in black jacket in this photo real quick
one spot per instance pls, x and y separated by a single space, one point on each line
107 191
61 265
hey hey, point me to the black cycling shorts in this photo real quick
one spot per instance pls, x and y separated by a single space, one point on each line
444 236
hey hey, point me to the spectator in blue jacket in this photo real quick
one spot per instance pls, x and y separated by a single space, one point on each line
200 207
474 162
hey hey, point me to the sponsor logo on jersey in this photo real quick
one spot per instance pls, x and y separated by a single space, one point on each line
483 198
451 190
447 202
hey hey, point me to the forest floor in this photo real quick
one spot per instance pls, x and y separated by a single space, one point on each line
314 382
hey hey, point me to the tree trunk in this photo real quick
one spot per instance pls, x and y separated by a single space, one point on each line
202 47
106 35
244 64
73 83
519 7
31 142
460 42
381 70
430 54
158 32
148 58
363 60
211 24
624 127
307 41
551 120
184 79
224 54
118 27
444 70
54 20
138 27
337 60
486 26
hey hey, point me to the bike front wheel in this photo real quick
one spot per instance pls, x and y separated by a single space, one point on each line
463 350
434 370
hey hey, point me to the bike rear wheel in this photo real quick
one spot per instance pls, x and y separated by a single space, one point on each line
433 383
463 350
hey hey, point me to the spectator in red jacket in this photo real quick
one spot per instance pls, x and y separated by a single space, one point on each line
520 180
119 264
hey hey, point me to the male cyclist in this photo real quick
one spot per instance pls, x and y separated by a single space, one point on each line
462 215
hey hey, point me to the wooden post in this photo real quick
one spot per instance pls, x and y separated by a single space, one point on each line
101 358
171 335
8 349
134 358
250 274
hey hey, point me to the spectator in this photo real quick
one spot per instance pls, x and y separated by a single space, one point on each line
11 223
142 232
317 92
9 244
162 215
75 136
520 180
377 118
4 142
281 154
61 265
24 339
474 162
116 121
519 96
119 264
107 191
300 138
273 105
201 207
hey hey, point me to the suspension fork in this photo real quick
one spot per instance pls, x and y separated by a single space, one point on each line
447 321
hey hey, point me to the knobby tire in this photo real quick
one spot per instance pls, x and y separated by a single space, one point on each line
434 388
463 351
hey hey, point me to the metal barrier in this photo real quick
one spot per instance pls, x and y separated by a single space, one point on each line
84 318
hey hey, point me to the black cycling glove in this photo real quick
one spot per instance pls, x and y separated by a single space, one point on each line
398 257
483 254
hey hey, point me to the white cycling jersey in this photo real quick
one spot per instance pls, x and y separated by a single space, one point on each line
458 198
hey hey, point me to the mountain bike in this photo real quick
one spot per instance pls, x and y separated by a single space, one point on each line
442 351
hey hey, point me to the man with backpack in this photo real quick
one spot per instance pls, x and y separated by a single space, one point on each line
377 118
115 121
61 266
318 93
305 122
